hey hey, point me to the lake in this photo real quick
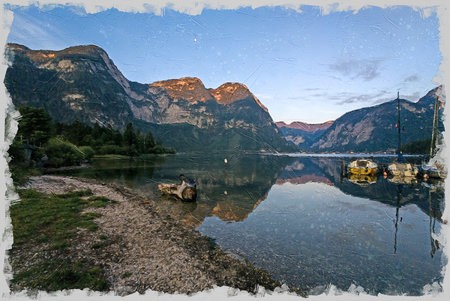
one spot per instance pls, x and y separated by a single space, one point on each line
296 217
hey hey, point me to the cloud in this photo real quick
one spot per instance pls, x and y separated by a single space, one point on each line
370 99
365 69
313 89
28 30
309 97
366 99
412 78
414 96
310 94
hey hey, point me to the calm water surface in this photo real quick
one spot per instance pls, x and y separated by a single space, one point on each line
298 219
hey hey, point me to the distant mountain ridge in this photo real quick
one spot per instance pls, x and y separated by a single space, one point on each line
303 134
374 129
82 83
370 129
307 127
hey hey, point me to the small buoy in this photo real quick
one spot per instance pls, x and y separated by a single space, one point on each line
225 161
225 192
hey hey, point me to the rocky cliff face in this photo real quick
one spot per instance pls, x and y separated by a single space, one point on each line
371 129
375 128
82 83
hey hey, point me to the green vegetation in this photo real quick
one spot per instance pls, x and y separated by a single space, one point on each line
60 274
48 224
34 127
40 142
106 140
62 153
417 147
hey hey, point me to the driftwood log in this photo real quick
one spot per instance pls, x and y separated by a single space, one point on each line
185 191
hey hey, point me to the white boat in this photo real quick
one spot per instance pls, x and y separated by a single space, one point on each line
431 170
362 167
401 168
435 168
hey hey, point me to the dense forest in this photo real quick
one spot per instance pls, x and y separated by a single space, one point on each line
420 147
42 142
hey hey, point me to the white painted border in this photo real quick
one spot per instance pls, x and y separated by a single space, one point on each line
7 131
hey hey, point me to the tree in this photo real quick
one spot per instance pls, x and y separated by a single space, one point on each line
130 139
34 126
63 153
77 132
149 142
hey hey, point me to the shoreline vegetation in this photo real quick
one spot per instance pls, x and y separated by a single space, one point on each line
42 143
74 233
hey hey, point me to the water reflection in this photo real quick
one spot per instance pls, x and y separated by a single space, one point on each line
316 228
232 190
428 196
300 219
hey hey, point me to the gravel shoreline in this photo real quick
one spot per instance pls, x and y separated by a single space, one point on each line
145 250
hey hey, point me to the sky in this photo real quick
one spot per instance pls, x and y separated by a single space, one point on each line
302 65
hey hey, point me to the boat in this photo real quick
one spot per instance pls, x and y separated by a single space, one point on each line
401 169
362 180
362 167
435 168
408 180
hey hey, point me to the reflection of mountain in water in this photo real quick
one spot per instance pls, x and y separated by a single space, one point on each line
428 197
235 189
230 191
327 171
303 171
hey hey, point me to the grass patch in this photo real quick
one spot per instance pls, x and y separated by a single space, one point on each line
60 274
20 174
104 242
98 201
54 220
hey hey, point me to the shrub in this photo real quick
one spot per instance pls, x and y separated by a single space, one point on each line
16 152
111 149
159 149
63 153
88 152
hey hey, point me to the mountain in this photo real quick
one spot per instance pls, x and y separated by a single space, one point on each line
370 129
373 129
82 83
303 134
